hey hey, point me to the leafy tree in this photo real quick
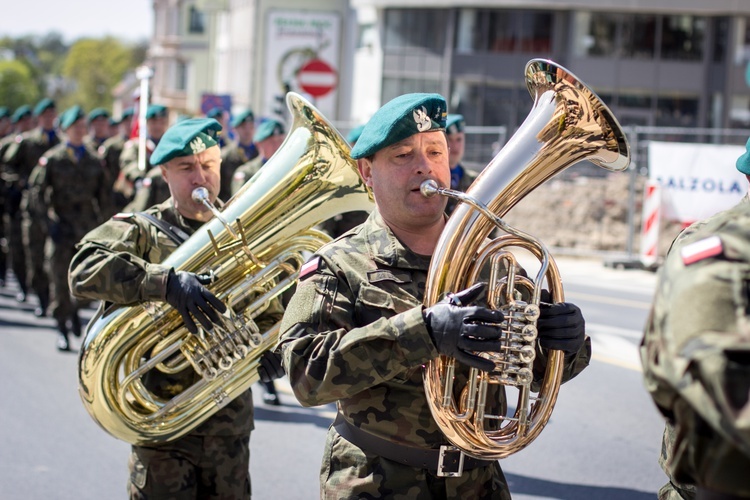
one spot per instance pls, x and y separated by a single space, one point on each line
96 66
17 86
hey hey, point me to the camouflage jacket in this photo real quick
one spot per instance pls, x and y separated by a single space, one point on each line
118 262
110 152
153 189
354 333
23 154
72 193
232 156
696 353
245 172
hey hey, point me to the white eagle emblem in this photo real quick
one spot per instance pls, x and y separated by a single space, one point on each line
197 145
423 121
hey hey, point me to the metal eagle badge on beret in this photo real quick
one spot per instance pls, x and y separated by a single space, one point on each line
197 145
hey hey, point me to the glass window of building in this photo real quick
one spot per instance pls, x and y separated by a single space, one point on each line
595 33
682 37
394 87
676 112
196 23
720 39
639 36
515 30
415 28
468 31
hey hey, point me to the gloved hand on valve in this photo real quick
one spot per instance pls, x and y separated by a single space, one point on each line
270 367
561 326
457 329
186 293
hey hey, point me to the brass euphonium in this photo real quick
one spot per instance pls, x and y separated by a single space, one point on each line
568 123
310 179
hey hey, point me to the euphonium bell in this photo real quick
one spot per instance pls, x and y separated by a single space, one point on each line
253 249
567 124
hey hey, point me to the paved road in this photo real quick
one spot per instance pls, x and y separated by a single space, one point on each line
602 441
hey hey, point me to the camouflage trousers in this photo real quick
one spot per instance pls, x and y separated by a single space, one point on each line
35 243
193 467
16 252
348 472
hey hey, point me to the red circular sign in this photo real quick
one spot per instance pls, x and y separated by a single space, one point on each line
317 78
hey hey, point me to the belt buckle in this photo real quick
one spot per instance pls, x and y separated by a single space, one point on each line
447 456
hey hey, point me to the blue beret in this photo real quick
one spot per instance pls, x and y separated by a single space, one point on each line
156 110
185 138
454 124
4 112
242 117
398 119
267 128
70 116
354 134
43 106
127 113
97 113
215 113
743 162
20 113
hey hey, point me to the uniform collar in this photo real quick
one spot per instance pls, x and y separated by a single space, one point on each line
384 247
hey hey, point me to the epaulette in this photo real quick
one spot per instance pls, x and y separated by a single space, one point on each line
123 216
701 249
310 267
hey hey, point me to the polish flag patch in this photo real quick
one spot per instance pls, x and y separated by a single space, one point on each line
702 249
309 267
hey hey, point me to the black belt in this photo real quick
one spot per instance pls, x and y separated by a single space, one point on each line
447 461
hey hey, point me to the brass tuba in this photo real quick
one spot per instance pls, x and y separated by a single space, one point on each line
310 179
568 123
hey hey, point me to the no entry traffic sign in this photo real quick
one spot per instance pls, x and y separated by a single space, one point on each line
317 78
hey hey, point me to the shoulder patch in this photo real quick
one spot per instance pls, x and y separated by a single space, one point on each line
123 216
147 182
239 175
101 150
43 161
19 138
701 249
309 268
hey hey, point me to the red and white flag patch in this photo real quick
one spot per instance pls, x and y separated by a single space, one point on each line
309 267
701 249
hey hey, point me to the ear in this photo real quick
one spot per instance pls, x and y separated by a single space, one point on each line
364 166
164 173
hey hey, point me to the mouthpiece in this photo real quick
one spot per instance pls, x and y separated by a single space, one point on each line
427 188
200 195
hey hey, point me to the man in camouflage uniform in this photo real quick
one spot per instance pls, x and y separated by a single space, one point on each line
238 152
110 152
461 177
268 137
98 121
356 331
21 122
222 117
21 158
70 187
696 356
119 263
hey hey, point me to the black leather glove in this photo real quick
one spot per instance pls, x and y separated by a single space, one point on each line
561 326
270 367
186 293
457 328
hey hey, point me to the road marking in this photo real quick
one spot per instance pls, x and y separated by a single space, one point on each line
611 300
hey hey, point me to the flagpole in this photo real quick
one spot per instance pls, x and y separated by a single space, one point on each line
144 74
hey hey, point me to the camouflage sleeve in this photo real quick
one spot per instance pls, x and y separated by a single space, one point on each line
129 162
110 265
39 202
329 357
13 157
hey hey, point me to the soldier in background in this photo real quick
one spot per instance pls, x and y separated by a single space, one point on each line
22 157
71 189
238 152
341 223
222 117
268 137
5 131
461 177
356 331
98 122
22 122
110 152
696 356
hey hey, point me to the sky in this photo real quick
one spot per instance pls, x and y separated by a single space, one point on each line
129 20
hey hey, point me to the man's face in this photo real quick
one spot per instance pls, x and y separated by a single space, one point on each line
267 147
156 126
47 118
456 145
100 127
245 131
186 173
25 124
396 172
76 132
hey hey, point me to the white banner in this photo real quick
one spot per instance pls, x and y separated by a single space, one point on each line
697 180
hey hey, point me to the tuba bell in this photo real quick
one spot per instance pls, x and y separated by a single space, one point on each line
311 178
568 123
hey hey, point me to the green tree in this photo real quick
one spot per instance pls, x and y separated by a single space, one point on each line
95 66
17 86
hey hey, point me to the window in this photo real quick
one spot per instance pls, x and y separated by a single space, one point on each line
682 37
415 28
394 87
720 39
638 37
676 112
504 31
181 71
196 22
595 34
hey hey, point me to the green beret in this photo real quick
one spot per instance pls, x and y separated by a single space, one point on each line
127 113
268 128
354 134
114 121
156 110
454 124
398 119
70 116
242 117
215 113
20 113
743 162
185 138
43 106
4 112
97 113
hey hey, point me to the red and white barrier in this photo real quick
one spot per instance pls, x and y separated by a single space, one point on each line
650 223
